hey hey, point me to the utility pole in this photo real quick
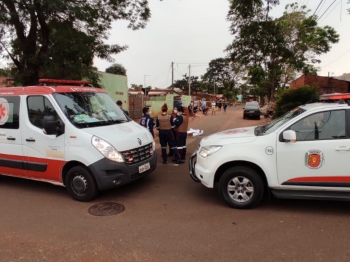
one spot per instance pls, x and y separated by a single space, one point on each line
189 80
144 80
172 76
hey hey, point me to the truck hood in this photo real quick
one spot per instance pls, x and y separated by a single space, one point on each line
230 136
123 136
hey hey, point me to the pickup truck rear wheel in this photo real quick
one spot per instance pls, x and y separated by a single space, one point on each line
80 184
241 187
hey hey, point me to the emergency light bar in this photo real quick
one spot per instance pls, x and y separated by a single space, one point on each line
335 97
64 82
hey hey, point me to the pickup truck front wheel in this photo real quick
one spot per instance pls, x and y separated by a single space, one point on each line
241 187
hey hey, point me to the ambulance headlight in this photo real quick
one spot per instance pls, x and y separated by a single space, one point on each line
206 151
107 149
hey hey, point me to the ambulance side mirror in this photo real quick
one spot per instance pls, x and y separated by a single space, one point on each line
51 126
290 136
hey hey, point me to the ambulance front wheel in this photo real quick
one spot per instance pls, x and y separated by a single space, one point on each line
80 184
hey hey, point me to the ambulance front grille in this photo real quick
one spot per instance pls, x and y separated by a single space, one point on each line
136 155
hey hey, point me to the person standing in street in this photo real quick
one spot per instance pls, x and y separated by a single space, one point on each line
166 136
190 108
120 104
213 105
181 126
147 121
225 107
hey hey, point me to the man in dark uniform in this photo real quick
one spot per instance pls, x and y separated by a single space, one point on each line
163 124
181 125
147 121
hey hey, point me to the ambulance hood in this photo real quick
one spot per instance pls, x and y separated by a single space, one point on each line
230 136
123 136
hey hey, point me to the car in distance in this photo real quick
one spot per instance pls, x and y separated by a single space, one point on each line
251 110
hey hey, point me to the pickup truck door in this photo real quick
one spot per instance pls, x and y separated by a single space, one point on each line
321 155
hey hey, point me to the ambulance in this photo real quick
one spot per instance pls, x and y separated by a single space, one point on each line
67 133
303 154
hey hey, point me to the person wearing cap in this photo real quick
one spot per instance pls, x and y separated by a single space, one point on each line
147 121
181 126
120 104
166 136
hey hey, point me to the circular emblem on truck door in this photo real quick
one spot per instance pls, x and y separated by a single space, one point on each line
4 111
314 159
139 140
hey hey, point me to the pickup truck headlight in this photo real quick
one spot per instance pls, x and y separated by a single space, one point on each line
107 149
153 146
206 151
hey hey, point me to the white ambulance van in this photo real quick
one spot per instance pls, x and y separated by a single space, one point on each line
304 154
67 133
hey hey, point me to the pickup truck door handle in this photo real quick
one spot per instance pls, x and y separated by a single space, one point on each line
343 148
30 140
11 138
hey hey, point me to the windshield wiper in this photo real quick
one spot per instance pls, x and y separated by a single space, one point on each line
259 130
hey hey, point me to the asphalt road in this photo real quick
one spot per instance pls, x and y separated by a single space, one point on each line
168 217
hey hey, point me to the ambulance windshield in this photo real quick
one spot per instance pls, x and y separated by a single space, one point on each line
88 109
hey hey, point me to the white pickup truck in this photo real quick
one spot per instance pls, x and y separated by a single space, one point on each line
304 154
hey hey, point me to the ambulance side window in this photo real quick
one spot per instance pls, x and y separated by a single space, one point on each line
9 112
38 107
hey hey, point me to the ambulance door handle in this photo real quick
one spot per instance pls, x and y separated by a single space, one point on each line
343 148
11 138
30 140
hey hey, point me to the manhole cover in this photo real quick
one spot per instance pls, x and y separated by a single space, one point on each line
106 209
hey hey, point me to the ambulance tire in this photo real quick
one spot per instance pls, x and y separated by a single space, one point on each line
80 184
246 187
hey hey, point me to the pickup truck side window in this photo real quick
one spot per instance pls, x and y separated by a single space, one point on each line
38 107
9 112
323 125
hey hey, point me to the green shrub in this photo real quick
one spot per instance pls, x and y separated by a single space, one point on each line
292 98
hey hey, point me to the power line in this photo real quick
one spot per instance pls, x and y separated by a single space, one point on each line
321 6
327 9
330 12
318 7
336 58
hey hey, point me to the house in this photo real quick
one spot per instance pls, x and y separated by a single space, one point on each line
326 85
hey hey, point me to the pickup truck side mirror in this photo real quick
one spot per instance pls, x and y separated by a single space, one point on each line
51 126
290 136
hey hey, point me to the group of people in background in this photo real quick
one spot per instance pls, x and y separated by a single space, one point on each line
213 105
172 131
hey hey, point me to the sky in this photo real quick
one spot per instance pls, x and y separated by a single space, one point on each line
194 32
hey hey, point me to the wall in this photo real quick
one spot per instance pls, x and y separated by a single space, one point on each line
156 105
116 86
324 84
297 82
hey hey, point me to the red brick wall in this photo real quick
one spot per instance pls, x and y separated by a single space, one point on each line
297 82
324 84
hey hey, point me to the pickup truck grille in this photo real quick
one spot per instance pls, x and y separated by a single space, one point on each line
136 155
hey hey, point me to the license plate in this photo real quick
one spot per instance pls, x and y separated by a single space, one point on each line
251 111
144 167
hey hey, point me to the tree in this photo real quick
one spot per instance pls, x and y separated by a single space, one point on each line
116 69
276 47
184 83
41 36
224 73
136 87
291 98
